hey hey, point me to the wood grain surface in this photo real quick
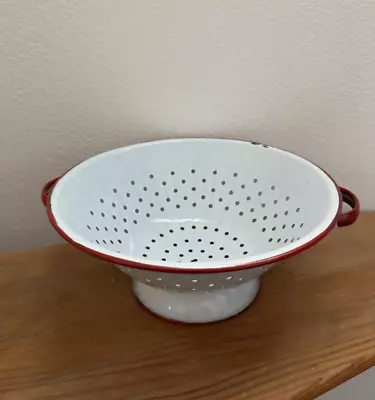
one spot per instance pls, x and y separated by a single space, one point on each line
70 328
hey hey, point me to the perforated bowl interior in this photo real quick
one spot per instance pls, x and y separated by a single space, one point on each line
194 202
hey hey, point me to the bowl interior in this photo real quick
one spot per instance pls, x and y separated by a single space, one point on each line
202 202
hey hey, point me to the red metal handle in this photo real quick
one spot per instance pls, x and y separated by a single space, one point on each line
348 218
47 189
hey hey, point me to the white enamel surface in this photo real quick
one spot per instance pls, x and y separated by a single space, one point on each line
194 202
197 307
196 297
194 282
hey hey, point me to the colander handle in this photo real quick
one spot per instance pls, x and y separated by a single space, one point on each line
348 218
47 189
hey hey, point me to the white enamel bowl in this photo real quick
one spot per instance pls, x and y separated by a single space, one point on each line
195 222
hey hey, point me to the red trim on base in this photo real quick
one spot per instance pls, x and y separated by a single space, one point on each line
183 323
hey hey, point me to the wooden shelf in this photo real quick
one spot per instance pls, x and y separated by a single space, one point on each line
70 328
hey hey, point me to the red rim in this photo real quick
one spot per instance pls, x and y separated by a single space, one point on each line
187 270
348 218
47 189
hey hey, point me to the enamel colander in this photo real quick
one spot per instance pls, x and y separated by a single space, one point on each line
195 222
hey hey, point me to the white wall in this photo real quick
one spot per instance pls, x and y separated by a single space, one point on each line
81 76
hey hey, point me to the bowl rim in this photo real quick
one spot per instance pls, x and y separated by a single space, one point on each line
195 270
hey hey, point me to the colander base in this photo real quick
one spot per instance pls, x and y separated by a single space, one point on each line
197 307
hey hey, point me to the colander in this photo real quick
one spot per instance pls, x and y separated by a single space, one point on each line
196 222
